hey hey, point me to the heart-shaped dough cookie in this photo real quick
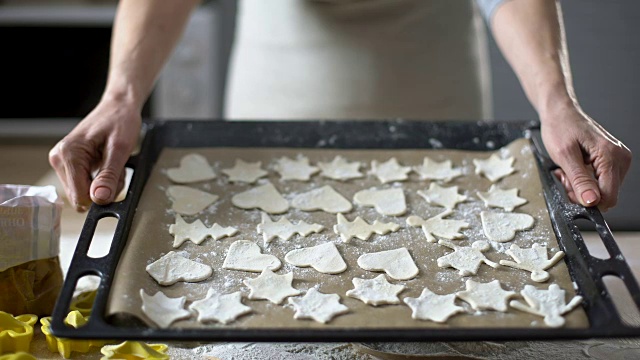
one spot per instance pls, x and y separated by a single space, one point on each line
324 198
246 255
193 168
386 202
397 263
189 201
172 268
502 227
265 197
325 258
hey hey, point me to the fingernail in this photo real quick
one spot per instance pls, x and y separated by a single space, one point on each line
589 197
102 193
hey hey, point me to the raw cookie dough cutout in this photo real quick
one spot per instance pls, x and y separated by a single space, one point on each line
438 226
389 202
389 171
440 171
243 171
546 303
502 227
507 199
442 196
534 260
271 286
295 169
494 168
486 296
189 201
318 306
397 263
324 258
340 169
361 229
324 198
376 291
172 268
193 168
223 308
265 197
197 231
434 307
284 229
246 255
163 310
466 259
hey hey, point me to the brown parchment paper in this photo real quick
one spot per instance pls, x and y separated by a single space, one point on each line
150 239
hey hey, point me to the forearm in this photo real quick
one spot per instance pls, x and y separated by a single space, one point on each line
144 34
530 34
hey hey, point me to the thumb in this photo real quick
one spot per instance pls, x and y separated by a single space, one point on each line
580 177
104 186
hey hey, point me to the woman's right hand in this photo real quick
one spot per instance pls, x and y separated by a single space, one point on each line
102 142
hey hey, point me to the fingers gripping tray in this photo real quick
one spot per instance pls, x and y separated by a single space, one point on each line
144 217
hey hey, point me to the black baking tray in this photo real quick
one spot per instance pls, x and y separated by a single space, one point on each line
586 271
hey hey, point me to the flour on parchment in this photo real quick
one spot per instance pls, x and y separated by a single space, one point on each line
442 196
361 229
271 286
295 169
189 201
340 169
193 168
390 202
265 197
397 263
433 170
223 308
325 198
197 231
547 303
246 172
434 307
466 259
438 226
502 227
163 310
324 258
246 255
389 170
486 296
507 199
494 168
172 268
318 306
284 229
534 260
376 291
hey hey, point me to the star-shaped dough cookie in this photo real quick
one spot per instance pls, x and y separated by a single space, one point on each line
437 226
295 169
389 170
466 259
433 170
361 229
243 171
271 286
197 231
442 196
284 229
340 169
534 260
486 296
318 306
507 199
547 303
494 168
434 307
163 310
223 308
376 291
